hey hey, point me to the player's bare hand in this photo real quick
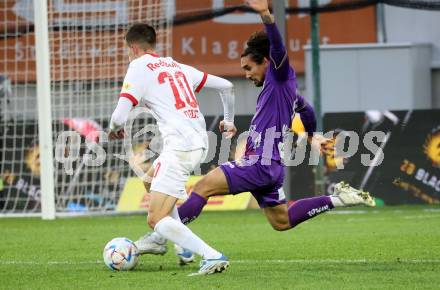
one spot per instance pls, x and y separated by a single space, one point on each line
258 5
114 135
325 145
228 129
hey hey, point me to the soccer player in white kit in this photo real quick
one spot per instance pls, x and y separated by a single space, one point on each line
168 89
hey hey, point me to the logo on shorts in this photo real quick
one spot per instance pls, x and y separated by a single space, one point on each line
230 164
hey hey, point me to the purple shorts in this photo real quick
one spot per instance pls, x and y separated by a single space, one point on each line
263 181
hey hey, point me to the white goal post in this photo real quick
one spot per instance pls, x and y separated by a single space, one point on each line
44 109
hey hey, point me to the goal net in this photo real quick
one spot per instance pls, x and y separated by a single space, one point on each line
87 65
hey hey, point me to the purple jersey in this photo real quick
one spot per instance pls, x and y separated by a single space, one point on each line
275 104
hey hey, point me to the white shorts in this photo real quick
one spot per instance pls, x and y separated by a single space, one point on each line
172 169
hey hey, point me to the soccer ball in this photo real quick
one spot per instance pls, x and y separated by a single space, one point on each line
121 254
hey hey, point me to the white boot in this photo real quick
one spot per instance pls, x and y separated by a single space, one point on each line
345 195
151 243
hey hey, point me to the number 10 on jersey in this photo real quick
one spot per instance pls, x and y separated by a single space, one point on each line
184 87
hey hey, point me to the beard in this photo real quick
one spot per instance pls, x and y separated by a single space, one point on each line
258 83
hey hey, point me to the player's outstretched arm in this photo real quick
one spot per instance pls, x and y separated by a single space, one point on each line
262 8
119 117
308 118
226 91
129 97
278 53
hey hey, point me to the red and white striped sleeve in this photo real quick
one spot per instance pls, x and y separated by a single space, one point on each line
132 86
198 78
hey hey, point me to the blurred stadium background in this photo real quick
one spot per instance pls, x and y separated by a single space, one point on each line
379 70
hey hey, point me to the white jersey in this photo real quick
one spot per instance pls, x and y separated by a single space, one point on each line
168 89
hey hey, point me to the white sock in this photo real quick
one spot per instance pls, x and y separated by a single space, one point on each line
175 214
158 238
180 234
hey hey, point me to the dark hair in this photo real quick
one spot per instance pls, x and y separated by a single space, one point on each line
142 34
257 47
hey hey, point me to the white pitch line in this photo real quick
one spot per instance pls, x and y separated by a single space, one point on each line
348 212
407 217
338 261
282 261
366 219
49 263
422 216
432 209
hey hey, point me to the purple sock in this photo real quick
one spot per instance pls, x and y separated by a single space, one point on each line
308 208
191 208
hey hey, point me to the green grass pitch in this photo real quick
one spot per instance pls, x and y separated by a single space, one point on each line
385 248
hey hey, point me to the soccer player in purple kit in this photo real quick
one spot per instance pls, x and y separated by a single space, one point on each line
261 170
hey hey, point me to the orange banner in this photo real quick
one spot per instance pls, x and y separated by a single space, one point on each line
213 46
86 37
71 59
